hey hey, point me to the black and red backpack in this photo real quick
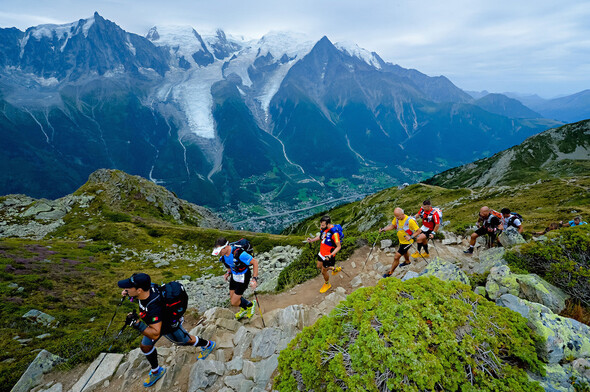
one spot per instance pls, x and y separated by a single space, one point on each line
174 301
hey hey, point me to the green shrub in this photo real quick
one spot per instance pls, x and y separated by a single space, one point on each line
563 260
423 334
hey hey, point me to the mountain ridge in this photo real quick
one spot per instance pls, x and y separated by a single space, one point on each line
186 118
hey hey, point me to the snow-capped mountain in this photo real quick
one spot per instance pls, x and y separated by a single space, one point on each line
222 119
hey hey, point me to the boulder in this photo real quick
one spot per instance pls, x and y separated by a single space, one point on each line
264 370
386 244
234 382
521 306
410 275
54 388
557 378
229 324
488 259
527 286
480 290
500 281
235 364
293 315
451 239
265 342
445 270
562 337
510 237
535 289
39 317
43 363
204 374
582 367
103 367
356 281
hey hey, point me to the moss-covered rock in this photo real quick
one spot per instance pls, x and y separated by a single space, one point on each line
562 337
535 289
423 334
501 281
488 259
528 286
445 270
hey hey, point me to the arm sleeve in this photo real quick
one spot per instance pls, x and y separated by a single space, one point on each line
245 258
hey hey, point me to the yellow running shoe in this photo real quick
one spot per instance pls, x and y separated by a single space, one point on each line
325 287
336 270
415 255
241 313
425 255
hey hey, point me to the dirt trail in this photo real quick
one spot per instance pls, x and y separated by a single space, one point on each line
306 293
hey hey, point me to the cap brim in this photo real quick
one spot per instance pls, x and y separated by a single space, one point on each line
217 250
125 284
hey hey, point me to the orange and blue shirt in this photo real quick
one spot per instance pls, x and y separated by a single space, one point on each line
330 240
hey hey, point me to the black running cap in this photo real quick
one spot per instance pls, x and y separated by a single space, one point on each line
141 280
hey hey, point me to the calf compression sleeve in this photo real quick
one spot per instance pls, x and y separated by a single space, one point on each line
200 342
244 303
152 358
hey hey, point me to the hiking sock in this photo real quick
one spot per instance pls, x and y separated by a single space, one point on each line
419 247
152 358
156 370
200 342
244 303
425 246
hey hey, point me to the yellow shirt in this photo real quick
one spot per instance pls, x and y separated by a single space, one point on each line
410 227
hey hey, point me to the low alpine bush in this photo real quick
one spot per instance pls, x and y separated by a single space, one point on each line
422 334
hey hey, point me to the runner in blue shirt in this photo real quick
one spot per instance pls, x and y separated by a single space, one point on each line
238 262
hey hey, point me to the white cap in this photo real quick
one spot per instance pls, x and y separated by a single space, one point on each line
218 249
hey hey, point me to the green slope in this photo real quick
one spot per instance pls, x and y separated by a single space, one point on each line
539 204
558 152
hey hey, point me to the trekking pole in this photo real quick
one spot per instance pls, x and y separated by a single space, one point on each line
435 248
112 318
104 356
259 310
371 251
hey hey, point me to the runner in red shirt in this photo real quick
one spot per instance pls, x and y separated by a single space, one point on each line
431 220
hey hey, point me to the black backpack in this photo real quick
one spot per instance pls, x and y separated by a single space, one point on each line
241 246
513 217
175 301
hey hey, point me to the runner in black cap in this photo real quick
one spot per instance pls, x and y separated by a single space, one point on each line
152 327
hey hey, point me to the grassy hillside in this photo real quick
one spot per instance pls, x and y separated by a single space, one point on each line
539 203
559 152
112 229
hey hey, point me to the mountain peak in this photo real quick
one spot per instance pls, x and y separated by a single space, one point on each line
354 50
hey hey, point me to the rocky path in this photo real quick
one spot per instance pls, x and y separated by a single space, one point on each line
246 357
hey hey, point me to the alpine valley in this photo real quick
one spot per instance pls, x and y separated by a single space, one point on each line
262 131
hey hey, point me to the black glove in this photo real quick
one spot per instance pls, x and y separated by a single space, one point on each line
131 318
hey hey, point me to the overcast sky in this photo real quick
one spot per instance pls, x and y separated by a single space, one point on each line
526 46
